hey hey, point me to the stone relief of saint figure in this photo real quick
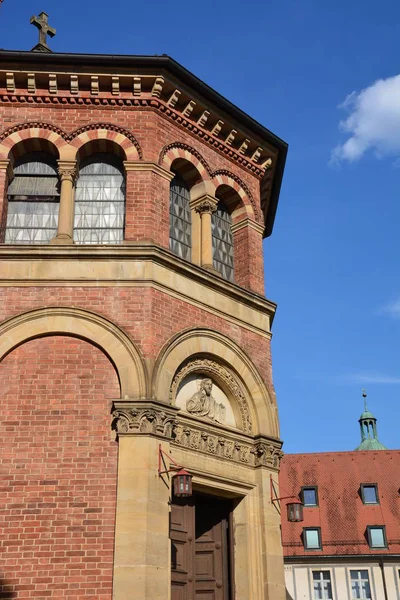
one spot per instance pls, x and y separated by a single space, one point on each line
203 403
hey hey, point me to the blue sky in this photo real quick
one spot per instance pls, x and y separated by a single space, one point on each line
332 261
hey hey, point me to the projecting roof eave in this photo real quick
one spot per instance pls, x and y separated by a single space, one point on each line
170 65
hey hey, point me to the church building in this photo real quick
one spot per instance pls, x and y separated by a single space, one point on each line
139 428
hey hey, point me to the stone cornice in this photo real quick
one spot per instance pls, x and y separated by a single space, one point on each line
130 252
145 91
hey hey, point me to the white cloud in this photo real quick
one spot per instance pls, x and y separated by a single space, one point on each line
373 122
392 309
366 378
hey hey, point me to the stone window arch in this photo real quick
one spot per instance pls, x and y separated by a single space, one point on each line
100 195
180 219
222 241
33 197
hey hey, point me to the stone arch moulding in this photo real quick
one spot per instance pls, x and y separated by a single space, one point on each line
179 150
223 376
85 325
193 343
223 177
107 131
30 131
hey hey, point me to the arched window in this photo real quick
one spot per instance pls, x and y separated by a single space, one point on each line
180 230
222 243
33 200
100 201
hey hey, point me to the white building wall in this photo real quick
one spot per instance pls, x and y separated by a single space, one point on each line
299 580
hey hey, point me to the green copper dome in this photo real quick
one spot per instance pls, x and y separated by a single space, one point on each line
369 432
367 415
373 444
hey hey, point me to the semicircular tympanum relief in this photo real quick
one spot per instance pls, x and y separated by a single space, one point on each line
207 389
200 396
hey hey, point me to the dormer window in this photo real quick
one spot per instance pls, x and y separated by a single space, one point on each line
369 493
309 496
312 538
377 536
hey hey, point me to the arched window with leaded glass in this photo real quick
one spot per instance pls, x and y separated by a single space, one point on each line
180 230
100 201
222 242
33 200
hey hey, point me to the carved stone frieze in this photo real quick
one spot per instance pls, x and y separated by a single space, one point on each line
144 418
202 440
212 368
227 446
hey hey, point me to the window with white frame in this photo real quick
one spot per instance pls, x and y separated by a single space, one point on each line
360 587
322 585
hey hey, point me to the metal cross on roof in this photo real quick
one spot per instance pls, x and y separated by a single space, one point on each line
41 22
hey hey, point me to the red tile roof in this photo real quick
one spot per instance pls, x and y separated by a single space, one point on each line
341 514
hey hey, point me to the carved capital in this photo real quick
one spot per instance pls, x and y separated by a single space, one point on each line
267 454
144 417
205 204
67 170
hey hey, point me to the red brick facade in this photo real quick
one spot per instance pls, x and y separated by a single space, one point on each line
59 467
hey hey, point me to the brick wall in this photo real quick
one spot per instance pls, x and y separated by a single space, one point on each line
149 316
59 463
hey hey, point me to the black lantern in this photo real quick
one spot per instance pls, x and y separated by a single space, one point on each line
182 483
295 512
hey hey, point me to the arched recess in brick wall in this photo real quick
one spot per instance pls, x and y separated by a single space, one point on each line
209 345
177 150
99 135
28 137
246 205
68 144
85 325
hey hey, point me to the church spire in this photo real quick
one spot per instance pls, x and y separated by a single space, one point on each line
369 432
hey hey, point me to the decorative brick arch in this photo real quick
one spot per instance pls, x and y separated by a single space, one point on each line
85 325
107 131
208 344
179 150
11 138
223 177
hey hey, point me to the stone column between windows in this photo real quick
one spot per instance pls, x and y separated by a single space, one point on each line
5 177
67 173
205 206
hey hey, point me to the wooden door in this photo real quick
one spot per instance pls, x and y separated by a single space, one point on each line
200 549
211 549
182 528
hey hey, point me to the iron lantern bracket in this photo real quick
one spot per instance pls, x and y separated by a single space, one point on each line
274 495
162 455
